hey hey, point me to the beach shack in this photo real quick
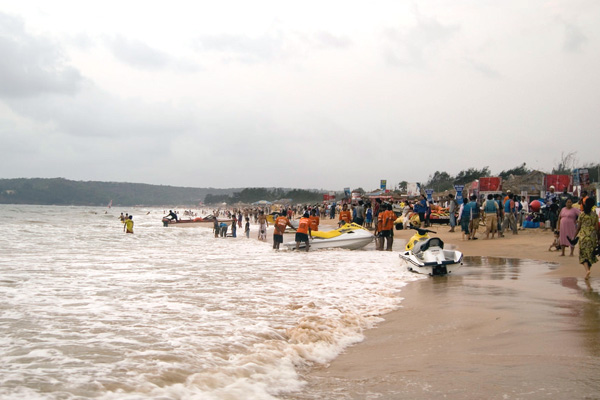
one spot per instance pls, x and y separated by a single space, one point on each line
531 185
384 195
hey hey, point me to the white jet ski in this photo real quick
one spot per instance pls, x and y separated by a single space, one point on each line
425 255
349 236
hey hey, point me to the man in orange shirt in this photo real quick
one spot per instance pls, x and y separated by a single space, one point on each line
279 227
303 233
378 229
387 225
314 220
345 215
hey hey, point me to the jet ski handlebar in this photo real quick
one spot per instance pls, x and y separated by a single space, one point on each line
423 231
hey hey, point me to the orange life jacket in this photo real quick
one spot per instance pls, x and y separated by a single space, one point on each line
303 225
346 216
280 224
388 220
314 223
380 218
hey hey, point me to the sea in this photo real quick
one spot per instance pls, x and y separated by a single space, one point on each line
90 312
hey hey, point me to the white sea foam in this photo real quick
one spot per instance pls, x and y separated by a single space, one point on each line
88 311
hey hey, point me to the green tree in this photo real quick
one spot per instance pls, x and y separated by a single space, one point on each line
250 195
593 170
440 181
469 175
217 198
516 171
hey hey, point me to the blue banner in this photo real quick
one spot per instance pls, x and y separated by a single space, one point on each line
429 193
459 195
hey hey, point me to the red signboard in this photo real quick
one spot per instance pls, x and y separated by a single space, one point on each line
558 181
490 184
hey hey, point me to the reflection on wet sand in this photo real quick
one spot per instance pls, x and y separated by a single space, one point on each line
500 268
499 328
585 313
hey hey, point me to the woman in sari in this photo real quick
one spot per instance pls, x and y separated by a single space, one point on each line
588 232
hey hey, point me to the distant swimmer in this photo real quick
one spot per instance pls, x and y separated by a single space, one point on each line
216 227
223 228
128 226
122 218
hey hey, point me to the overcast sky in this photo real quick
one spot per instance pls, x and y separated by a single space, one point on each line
308 94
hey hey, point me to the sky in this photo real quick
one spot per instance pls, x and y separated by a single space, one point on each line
311 94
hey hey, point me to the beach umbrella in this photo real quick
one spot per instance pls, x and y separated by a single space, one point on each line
262 203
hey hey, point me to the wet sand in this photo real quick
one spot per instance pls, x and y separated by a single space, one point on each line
516 322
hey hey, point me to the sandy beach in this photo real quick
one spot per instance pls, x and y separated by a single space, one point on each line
515 322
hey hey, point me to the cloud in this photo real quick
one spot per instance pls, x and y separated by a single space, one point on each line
81 41
274 45
31 65
137 54
94 113
574 38
413 46
328 40
483 69
242 48
278 81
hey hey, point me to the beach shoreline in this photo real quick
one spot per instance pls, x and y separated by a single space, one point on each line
517 321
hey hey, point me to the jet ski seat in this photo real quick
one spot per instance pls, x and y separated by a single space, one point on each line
425 244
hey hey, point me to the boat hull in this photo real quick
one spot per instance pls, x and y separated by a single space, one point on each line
353 240
193 222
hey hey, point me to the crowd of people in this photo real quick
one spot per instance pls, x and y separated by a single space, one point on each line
572 220
495 215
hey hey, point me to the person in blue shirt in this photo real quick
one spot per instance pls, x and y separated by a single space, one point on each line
551 194
509 215
421 209
369 217
464 216
474 218
490 209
